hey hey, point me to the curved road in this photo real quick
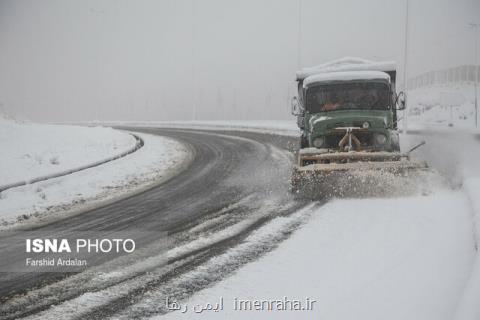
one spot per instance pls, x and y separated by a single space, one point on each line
237 182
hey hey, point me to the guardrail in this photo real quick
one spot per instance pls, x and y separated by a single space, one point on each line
138 144
453 75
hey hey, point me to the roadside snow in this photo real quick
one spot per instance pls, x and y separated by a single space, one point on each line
31 150
468 308
455 153
442 106
403 258
157 160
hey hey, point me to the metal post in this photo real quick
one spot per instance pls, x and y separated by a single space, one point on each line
475 33
450 124
405 63
476 75
194 80
299 36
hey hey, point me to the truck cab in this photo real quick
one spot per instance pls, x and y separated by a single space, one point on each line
355 97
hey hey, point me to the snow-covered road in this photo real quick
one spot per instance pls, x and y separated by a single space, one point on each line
399 258
229 190
404 258
236 234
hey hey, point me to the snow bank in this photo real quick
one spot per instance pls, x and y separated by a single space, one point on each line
404 258
469 308
71 146
455 153
32 150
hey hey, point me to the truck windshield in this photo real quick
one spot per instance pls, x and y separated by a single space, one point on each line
347 96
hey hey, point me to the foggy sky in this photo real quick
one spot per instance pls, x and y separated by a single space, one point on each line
64 60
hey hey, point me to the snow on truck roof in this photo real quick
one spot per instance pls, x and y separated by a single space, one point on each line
345 76
347 64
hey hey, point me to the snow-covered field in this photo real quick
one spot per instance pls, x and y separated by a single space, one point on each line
32 150
443 106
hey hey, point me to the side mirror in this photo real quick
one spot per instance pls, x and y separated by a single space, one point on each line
295 106
401 101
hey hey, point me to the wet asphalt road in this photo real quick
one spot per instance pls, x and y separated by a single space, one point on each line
232 176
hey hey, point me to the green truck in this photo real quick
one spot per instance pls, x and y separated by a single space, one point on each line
347 113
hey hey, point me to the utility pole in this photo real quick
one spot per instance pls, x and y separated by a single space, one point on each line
194 80
475 27
299 36
405 65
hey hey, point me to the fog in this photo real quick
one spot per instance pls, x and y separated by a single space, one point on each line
63 60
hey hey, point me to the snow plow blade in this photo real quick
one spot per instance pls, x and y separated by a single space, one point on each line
354 174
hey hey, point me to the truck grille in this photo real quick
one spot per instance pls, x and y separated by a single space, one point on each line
366 139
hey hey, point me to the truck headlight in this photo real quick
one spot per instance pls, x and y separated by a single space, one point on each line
380 139
318 142
366 125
